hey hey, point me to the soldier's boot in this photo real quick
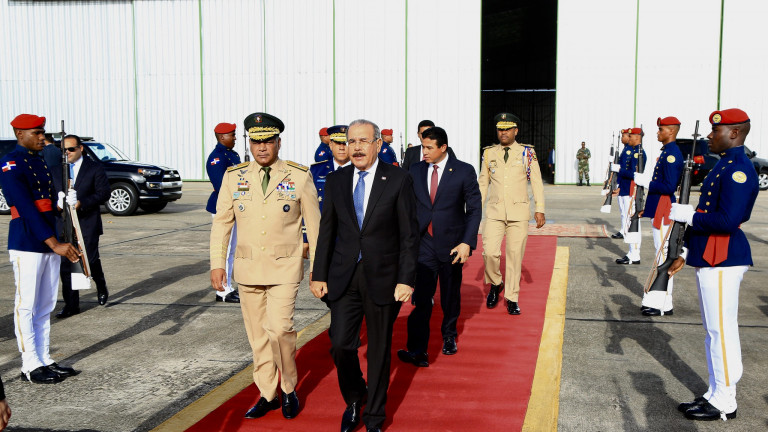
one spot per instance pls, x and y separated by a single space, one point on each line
587 182
580 184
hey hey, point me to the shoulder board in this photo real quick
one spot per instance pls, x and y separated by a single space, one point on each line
321 162
296 165
526 145
238 166
488 146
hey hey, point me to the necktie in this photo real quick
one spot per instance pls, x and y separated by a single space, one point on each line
432 193
506 154
358 196
265 180
71 174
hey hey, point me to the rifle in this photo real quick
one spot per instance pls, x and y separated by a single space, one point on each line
81 271
677 232
633 233
613 179
246 156
402 149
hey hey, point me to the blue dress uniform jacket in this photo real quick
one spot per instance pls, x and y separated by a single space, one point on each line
728 194
219 160
28 189
387 155
666 177
319 172
628 163
323 152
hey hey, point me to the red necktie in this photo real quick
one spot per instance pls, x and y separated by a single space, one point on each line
432 193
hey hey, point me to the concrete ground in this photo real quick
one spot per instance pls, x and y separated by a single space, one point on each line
162 342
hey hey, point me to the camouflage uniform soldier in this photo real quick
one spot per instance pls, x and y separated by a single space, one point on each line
583 156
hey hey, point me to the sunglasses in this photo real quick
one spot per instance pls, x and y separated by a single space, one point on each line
70 149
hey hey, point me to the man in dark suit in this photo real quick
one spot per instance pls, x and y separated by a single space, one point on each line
413 154
90 183
449 212
364 269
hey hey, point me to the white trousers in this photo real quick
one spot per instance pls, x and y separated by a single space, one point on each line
230 261
37 286
719 304
627 207
661 300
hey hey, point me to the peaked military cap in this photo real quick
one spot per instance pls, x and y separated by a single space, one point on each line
262 126
506 121
338 133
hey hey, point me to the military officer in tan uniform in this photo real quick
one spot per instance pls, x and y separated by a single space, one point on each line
267 198
507 168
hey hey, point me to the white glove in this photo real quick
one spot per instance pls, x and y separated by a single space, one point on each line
610 159
605 192
682 213
615 167
684 254
642 180
71 197
60 201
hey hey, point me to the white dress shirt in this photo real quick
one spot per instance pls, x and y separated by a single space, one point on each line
440 169
368 182
336 165
76 169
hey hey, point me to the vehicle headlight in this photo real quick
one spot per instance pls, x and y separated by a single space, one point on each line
146 172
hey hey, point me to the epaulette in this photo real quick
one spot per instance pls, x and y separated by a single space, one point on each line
296 165
488 146
321 162
527 145
238 166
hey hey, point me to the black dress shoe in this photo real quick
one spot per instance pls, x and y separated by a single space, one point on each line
626 260
231 297
707 411
685 406
351 417
62 371
375 429
416 359
656 312
493 296
42 375
512 308
290 405
66 313
449 346
618 235
103 297
642 308
262 407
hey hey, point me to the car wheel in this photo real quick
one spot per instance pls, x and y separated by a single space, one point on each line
153 207
4 208
762 181
123 200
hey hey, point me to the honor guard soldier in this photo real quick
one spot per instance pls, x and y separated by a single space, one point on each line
221 158
583 156
626 168
719 250
339 159
267 199
507 168
661 189
622 210
386 154
323 151
33 248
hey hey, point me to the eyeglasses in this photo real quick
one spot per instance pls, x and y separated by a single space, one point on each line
70 149
363 141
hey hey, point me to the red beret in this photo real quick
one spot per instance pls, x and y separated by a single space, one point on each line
28 121
324 131
223 128
386 132
635 131
667 121
625 131
728 117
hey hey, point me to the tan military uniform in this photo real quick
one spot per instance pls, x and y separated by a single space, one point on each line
268 259
508 210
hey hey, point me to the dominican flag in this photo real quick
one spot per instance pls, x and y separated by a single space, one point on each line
9 166
215 161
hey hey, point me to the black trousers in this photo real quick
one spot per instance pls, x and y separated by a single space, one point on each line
346 319
72 297
430 268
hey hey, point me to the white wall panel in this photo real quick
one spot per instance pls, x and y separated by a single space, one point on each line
444 71
745 67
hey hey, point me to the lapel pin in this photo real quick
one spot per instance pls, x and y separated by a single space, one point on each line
383 178
450 169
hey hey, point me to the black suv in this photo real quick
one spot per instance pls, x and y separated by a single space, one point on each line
704 161
134 184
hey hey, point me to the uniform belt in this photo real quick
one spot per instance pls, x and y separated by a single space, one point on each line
43 205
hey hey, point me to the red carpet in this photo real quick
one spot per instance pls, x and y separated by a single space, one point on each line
484 387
